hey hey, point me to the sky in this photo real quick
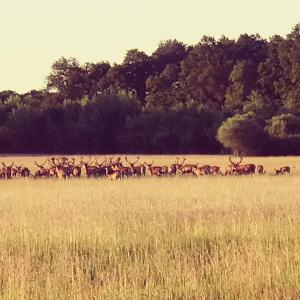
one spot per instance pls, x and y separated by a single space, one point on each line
35 33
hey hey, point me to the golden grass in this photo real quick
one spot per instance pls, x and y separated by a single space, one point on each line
152 238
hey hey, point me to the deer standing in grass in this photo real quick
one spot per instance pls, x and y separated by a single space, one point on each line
136 170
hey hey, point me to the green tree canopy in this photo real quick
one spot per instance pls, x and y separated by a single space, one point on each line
242 134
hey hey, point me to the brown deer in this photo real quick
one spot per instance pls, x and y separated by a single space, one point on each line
101 172
215 170
62 167
176 166
113 173
283 170
235 168
136 170
260 170
201 170
75 169
6 171
187 169
118 166
157 170
20 171
42 172
90 170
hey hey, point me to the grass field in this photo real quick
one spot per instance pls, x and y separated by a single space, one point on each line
152 238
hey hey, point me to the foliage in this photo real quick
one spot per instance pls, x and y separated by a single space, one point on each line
284 126
242 134
172 100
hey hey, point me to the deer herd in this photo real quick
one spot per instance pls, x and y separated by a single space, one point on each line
116 169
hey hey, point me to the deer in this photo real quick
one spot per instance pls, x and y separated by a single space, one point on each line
113 173
283 170
6 171
187 169
237 169
76 169
260 170
91 171
42 172
20 171
62 167
215 170
157 170
136 170
201 170
117 165
176 166
102 167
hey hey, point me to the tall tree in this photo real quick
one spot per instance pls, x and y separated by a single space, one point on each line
205 71
96 80
270 71
168 52
68 79
132 74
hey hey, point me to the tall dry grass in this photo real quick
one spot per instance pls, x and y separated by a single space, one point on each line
152 238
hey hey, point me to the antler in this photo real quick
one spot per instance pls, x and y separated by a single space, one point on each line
72 161
52 162
149 164
241 159
88 162
236 163
56 162
132 163
4 165
40 166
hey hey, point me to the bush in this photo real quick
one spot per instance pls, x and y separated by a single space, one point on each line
243 134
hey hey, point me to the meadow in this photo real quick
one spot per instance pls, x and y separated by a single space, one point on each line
212 237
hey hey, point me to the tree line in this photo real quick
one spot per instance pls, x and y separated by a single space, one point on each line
214 97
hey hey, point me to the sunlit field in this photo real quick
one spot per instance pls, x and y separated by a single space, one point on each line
213 237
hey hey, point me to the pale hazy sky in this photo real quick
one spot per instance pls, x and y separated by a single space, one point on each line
35 33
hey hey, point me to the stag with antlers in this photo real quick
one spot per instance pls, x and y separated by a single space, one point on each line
6 171
20 171
176 166
186 169
113 173
90 169
63 166
136 170
235 168
42 172
157 170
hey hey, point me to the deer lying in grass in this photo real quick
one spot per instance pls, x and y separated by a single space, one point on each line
235 168
283 170
260 170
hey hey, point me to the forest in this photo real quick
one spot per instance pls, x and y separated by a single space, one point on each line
215 97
